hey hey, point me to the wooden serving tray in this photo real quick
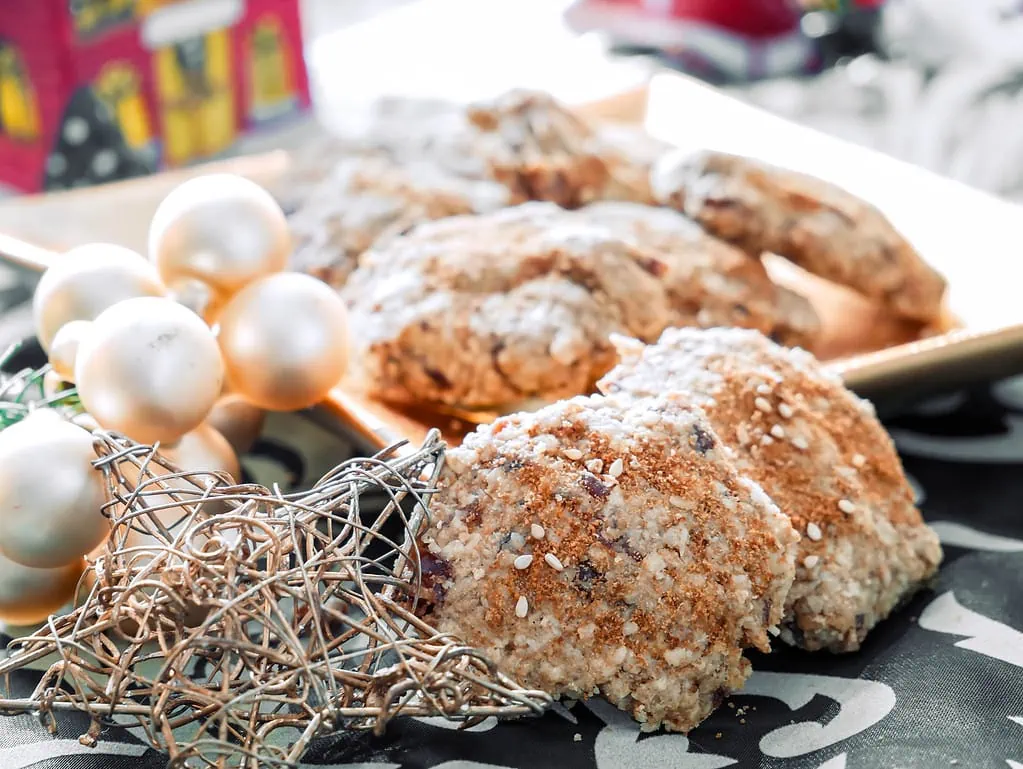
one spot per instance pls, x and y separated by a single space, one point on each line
967 235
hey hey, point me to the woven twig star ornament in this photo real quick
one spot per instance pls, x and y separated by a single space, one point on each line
235 624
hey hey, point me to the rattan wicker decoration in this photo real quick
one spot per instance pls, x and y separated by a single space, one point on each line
235 624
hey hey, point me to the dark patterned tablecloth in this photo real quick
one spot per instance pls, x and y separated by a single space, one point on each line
938 684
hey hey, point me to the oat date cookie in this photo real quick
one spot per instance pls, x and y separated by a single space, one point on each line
819 453
526 141
400 129
367 198
817 225
542 151
594 547
710 282
490 311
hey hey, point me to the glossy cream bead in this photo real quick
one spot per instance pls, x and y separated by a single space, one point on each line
149 369
64 348
197 296
239 421
85 281
205 449
51 497
28 596
220 229
284 341
53 384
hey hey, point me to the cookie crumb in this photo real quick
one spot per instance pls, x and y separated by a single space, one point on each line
675 657
742 433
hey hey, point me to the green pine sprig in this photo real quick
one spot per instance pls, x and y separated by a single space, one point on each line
22 393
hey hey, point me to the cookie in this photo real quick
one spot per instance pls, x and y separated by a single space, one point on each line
370 197
535 147
490 311
400 129
820 453
817 225
542 151
416 129
710 282
594 548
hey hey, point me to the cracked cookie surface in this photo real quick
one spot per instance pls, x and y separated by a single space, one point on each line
541 150
416 160
604 547
817 225
493 310
820 453
711 283
369 198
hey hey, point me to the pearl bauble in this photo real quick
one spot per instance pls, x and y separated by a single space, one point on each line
28 596
50 494
198 297
205 449
150 369
284 341
64 348
87 280
222 230
238 421
53 384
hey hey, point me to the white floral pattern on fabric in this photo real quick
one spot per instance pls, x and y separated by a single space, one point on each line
960 535
985 636
1004 448
618 745
861 704
25 756
838 762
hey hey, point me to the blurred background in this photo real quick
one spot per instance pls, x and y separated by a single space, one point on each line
95 90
